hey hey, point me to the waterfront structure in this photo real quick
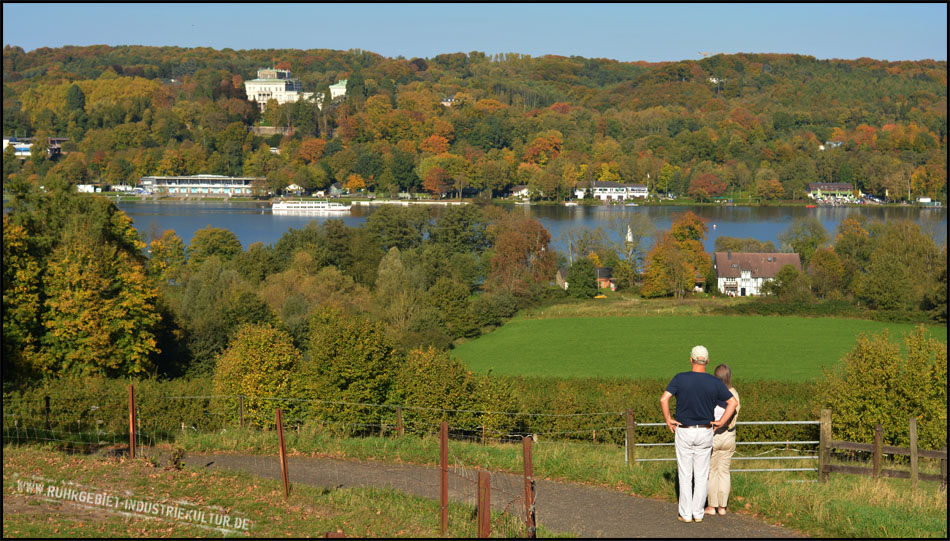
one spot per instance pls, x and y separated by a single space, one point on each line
742 274
613 191
839 190
274 84
201 185
22 146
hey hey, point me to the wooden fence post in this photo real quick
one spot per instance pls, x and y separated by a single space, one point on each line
943 469
530 530
913 453
630 440
483 434
48 425
283 455
241 410
400 430
444 474
131 421
878 443
484 504
824 442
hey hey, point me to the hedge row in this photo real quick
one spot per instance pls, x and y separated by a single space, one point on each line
570 408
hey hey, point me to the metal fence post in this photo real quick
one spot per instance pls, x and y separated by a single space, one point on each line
878 444
630 439
824 442
913 453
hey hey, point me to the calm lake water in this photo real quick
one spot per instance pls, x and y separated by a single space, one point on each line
254 222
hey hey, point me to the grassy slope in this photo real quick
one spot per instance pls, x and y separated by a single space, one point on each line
308 512
774 348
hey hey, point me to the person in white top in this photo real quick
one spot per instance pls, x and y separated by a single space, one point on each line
724 446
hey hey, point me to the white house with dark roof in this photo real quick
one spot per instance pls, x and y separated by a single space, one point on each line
742 274
613 191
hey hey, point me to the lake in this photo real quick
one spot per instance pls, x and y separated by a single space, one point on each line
254 222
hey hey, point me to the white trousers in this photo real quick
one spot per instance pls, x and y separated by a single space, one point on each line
693 447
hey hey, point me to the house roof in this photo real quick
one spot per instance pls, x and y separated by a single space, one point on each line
829 186
760 265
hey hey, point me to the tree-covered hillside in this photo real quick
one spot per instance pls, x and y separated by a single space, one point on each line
756 124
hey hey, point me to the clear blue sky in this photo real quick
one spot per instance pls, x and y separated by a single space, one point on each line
626 32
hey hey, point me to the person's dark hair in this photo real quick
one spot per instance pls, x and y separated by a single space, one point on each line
724 373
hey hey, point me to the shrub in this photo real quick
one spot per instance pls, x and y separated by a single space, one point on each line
350 362
431 380
879 384
257 364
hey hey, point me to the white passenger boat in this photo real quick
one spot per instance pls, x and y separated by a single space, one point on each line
309 206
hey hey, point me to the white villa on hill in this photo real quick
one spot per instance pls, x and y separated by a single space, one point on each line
274 84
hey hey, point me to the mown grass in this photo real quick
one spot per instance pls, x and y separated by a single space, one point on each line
308 512
773 348
845 506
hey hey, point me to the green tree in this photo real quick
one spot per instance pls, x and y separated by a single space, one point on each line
450 300
877 383
582 279
349 361
22 304
789 285
438 388
396 226
259 363
826 271
804 236
213 241
100 311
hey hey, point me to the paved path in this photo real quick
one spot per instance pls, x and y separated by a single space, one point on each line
560 507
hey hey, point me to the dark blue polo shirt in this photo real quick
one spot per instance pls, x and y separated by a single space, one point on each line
696 396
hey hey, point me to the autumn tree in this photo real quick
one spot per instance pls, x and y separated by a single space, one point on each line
677 260
522 262
705 186
100 310
258 364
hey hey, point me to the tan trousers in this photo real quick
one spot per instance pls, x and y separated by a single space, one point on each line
724 446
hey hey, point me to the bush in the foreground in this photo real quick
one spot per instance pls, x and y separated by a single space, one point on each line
878 384
258 364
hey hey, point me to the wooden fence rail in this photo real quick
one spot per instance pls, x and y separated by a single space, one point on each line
879 449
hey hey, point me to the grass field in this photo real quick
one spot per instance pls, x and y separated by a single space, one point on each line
773 348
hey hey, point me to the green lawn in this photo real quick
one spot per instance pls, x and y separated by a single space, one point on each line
773 348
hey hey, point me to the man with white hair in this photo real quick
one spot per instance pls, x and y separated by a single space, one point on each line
696 395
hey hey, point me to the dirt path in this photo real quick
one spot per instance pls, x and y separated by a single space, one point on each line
561 507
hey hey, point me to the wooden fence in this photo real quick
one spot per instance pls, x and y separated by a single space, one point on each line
878 449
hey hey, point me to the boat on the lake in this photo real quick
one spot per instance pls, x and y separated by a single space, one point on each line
309 206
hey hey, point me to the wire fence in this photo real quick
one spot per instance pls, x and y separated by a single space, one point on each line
155 427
